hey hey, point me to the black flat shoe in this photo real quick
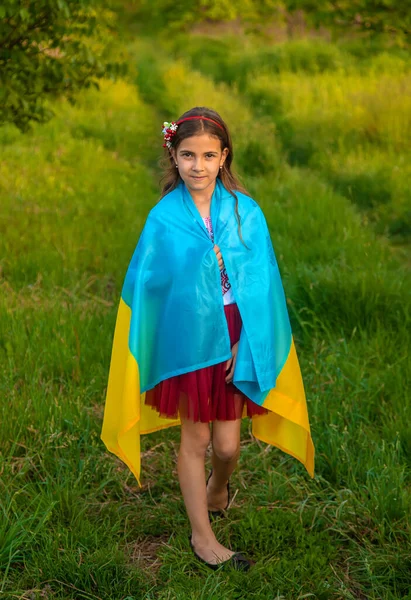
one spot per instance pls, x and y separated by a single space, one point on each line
219 513
238 561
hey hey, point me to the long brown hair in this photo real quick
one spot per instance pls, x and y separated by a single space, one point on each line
171 177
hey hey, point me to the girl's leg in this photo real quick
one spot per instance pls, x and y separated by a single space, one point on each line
195 438
226 450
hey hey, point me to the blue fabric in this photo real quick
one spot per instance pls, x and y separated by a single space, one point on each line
173 288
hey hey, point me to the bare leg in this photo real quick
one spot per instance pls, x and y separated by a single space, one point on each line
195 438
226 450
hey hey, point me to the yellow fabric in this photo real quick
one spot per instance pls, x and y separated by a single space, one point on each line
126 416
287 426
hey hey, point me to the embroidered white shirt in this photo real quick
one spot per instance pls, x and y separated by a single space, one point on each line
228 296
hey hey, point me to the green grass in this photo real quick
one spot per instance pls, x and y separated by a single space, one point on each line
74 196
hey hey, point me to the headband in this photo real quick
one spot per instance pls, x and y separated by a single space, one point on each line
169 129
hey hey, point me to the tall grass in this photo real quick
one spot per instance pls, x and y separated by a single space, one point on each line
345 116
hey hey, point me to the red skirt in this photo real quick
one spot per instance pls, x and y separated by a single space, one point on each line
204 395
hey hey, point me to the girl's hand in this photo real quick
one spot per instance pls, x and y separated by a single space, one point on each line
230 366
219 257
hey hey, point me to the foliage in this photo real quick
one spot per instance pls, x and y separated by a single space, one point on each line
378 16
372 16
171 15
50 48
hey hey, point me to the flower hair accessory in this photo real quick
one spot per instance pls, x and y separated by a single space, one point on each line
169 130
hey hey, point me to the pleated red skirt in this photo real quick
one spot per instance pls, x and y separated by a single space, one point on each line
204 395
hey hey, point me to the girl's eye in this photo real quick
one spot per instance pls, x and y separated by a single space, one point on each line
189 154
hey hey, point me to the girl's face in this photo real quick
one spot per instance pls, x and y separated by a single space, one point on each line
199 159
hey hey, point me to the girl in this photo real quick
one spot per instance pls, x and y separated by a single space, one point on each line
202 334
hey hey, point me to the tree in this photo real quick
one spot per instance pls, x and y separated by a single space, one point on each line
50 48
374 16
391 17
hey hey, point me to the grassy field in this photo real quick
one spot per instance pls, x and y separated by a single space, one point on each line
320 141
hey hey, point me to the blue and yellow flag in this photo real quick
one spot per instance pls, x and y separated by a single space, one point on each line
171 320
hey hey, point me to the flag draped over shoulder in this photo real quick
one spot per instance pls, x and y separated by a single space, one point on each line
171 320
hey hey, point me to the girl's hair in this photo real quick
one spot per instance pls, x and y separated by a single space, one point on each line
171 176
